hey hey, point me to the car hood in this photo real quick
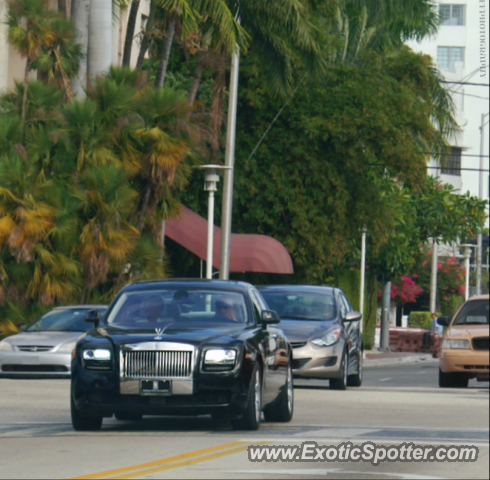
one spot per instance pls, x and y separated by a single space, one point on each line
43 339
304 330
470 331
175 333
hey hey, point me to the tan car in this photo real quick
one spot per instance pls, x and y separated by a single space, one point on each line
465 346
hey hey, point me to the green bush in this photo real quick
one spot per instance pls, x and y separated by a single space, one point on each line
349 282
420 320
451 306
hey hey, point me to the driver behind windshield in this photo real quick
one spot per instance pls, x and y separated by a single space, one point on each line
154 308
225 309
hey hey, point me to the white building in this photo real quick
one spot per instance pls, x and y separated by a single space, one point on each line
460 49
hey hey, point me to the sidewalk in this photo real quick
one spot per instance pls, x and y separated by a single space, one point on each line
378 359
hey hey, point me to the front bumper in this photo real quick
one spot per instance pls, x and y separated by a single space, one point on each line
101 394
470 362
313 362
27 365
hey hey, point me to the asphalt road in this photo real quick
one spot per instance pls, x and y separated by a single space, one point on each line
395 405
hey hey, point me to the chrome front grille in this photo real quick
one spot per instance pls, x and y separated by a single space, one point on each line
157 364
34 348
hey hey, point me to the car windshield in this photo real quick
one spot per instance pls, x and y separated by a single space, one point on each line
473 313
189 307
302 306
62 320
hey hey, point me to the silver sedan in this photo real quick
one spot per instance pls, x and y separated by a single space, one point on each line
323 330
44 348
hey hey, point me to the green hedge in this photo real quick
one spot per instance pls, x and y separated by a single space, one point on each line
349 282
421 320
451 306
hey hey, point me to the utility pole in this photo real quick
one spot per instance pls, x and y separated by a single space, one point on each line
385 317
479 251
227 207
363 276
433 281
467 255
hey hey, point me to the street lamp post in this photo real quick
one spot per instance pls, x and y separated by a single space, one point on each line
479 252
363 275
467 256
227 207
211 185
433 282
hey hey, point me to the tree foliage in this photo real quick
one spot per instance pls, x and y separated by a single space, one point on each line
84 191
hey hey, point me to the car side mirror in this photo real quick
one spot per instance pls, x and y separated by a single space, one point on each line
23 328
93 317
444 321
269 317
353 317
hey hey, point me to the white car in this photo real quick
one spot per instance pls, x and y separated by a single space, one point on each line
44 348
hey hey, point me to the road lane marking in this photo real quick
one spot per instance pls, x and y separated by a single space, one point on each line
165 461
186 463
385 380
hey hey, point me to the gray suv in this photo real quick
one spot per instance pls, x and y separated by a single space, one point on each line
323 330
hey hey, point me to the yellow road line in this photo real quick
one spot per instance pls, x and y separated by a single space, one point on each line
165 461
186 462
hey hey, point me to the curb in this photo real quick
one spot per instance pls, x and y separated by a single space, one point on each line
412 359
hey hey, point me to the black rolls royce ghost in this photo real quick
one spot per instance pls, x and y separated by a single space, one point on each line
183 348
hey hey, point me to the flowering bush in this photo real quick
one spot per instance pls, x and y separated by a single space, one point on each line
405 290
451 281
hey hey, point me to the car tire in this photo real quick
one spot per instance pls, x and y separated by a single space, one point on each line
452 380
250 420
283 410
84 423
341 383
128 417
356 380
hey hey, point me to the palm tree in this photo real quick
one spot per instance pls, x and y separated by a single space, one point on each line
107 237
80 15
100 37
29 29
145 42
60 61
130 27
192 13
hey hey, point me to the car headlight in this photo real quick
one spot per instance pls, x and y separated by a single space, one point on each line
67 347
98 355
329 339
219 360
449 344
5 346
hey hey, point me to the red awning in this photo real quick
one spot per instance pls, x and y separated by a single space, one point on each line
249 253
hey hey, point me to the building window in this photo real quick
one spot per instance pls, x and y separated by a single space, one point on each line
453 15
448 56
452 162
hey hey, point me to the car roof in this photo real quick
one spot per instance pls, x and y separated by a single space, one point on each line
479 297
299 288
80 307
188 283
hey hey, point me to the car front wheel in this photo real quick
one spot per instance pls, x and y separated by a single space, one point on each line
251 419
452 380
356 380
84 423
341 383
